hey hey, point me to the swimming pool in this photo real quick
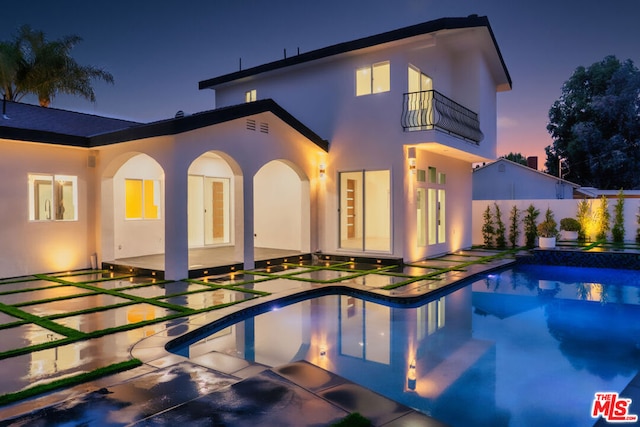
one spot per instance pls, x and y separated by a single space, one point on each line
527 346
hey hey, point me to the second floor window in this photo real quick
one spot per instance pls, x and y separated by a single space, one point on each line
250 95
373 79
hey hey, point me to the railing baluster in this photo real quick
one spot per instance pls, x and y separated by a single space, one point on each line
430 109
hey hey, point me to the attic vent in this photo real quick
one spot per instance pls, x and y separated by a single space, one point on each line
264 127
251 124
179 114
501 168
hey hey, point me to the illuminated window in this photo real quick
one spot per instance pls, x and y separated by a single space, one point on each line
421 217
373 79
250 95
53 198
142 199
365 210
436 212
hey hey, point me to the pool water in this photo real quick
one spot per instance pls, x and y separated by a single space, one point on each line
528 346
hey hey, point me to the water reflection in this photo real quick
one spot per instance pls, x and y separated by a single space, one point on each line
480 348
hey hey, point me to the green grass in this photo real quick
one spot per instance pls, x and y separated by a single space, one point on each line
69 381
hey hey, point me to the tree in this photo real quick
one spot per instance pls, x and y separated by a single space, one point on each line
488 230
514 227
595 126
530 227
501 240
30 64
617 231
516 158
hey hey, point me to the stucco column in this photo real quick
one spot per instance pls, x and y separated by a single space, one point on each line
176 246
248 238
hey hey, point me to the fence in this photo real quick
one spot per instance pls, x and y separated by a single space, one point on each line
564 208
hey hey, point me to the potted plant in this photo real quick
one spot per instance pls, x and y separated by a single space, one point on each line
547 231
570 227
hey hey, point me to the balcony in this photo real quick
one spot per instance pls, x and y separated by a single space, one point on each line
430 109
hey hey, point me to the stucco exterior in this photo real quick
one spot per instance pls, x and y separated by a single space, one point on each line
289 165
507 180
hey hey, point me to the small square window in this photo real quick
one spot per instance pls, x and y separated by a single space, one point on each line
250 95
422 175
53 197
373 79
432 175
442 178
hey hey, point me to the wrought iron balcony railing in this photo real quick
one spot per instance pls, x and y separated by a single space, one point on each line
430 109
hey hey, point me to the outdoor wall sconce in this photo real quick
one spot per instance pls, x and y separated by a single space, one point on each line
322 170
411 155
323 351
411 377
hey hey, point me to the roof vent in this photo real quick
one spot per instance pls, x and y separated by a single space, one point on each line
179 114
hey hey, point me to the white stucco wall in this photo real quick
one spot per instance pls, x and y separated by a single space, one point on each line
30 247
504 180
561 209
136 237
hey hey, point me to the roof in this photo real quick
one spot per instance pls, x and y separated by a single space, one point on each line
471 21
34 123
526 169
38 124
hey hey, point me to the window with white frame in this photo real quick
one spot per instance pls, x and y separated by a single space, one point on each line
53 197
142 198
373 79
250 95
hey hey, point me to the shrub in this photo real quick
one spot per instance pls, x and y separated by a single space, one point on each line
617 232
548 227
514 227
584 218
530 231
501 240
487 228
602 219
570 224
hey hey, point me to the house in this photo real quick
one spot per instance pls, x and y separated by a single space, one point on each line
507 180
361 149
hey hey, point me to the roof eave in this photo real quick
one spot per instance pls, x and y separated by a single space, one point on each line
362 43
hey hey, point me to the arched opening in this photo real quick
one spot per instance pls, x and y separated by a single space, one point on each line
211 202
132 207
281 209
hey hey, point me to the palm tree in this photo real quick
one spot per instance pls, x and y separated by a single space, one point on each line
32 65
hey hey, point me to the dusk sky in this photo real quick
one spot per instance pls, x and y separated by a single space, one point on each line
159 50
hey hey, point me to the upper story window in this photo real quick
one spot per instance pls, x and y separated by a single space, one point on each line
373 79
250 95
142 198
53 197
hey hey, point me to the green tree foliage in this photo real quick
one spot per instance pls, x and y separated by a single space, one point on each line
516 158
514 226
603 219
584 218
501 239
595 126
530 226
30 64
488 230
617 231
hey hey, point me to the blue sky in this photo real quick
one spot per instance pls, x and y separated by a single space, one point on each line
159 50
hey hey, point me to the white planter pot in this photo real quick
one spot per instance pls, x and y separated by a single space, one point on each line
569 235
547 242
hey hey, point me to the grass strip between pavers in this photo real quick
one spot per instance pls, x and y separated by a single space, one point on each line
69 381
458 267
40 321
